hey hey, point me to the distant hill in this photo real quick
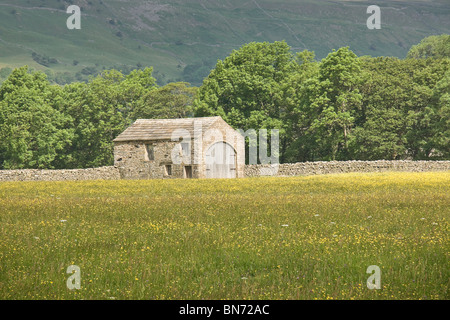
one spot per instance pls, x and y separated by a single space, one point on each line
182 39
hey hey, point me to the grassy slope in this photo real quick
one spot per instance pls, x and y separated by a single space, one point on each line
176 33
262 238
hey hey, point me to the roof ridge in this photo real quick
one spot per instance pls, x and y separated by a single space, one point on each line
175 119
160 129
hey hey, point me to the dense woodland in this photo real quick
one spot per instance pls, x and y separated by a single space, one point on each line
343 107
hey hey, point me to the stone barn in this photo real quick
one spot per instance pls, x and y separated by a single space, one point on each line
180 148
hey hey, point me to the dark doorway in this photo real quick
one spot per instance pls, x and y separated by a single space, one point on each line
188 172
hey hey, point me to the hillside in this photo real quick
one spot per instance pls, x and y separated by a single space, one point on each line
182 40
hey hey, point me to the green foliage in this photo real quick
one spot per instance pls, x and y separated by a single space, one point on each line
99 111
248 88
47 126
440 112
195 73
173 100
333 101
399 118
33 133
437 47
43 60
342 108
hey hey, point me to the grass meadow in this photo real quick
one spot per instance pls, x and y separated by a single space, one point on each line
258 238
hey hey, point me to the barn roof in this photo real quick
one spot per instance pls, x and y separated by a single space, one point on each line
162 129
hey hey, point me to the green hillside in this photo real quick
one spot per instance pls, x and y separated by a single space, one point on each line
182 40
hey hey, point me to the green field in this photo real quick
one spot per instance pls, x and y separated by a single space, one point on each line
257 238
182 40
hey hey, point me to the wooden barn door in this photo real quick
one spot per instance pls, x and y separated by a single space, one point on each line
220 161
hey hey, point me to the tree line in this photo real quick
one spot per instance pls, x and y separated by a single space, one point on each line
343 107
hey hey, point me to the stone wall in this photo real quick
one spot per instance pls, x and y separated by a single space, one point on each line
103 173
291 169
328 167
130 159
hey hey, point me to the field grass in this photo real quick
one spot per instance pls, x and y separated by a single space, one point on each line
257 238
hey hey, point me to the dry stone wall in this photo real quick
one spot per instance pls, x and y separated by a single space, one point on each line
131 162
288 169
328 167
103 173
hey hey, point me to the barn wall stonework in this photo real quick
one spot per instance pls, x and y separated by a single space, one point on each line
129 158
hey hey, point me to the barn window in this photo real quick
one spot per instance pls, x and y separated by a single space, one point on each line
149 152
168 169
185 149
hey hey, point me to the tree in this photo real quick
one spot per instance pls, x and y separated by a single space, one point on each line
297 145
100 111
436 47
173 100
331 104
246 87
381 125
399 115
33 133
440 112
423 113
131 88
